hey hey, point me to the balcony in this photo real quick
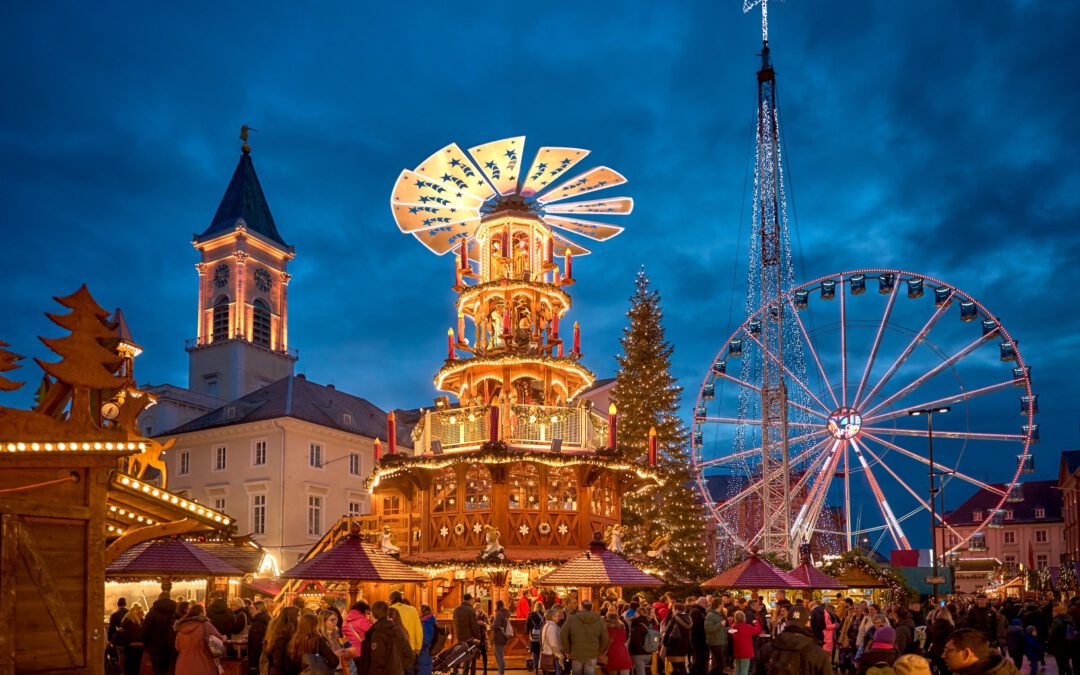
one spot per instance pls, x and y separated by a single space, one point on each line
531 427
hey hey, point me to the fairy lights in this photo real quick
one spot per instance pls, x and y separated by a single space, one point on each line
167 497
74 446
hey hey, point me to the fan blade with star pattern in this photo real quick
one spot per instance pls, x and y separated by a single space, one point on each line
451 165
416 188
562 243
549 164
586 228
598 178
415 217
501 162
614 206
445 238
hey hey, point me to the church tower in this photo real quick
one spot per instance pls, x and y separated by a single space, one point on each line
243 338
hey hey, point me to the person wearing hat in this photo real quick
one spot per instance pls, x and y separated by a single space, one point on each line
911 664
794 650
882 651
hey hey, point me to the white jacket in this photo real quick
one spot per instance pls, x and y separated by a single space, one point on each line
549 639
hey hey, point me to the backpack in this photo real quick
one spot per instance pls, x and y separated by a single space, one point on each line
438 641
651 643
508 630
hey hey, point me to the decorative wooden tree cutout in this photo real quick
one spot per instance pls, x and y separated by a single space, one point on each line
7 364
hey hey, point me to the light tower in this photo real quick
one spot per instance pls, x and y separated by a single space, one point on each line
510 361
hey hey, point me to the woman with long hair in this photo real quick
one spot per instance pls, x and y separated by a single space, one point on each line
133 644
357 622
193 635
275 645
309 649
551 653
618 654
534 622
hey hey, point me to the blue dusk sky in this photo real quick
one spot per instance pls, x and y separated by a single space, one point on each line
936 137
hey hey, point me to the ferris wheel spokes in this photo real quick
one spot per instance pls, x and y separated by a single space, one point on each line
949 470
960 435
843 340
941 402
877 342
915 342
813 351
812 506
940 518
899 538
756 485
783 367
947 363
753 452
816 465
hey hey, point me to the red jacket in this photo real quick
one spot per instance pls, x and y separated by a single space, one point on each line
742 640
524 606
661 611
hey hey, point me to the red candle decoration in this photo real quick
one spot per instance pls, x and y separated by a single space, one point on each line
378 450
391 433
458 282
612 428
555 325
464 262
461 326
652 446
450 353
550 250
569 264
577 338
555 276
493 424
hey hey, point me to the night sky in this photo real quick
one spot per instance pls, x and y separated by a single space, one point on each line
927 136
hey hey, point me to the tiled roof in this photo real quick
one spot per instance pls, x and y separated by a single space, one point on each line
173 557
243 200
241 555
1036 494
754 573
353 560
297 397
814 578
598 567
468 555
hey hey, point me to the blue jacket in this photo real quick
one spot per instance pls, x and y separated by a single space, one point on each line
423 659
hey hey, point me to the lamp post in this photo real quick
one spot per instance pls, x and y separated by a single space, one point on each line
929 412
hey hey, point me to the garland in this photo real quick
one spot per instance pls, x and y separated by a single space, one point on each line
897 586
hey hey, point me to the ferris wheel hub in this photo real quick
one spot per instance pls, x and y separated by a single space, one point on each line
844 423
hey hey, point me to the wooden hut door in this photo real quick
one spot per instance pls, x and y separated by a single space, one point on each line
42 566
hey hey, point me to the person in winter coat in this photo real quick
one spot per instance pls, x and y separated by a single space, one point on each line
466 625
386 648
584 638
131 626
117 617
240 621
675 639
276 643
220 615
983 618
534 622
498 634
157 634
430 625
716 636
968 651
795 649
1033 650
640 626
937 634
1014 642
905 632
356 625
742 641
306 641
551 653
192 635
256 635
881 651
410 620
618 653
699 648
1058 644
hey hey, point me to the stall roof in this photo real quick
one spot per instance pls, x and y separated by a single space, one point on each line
170 558
596 568
754 573
353 560
815 578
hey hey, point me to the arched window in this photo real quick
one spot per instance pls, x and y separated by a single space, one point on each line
221 318
562 492
444 491
604 496
477 488
524 488
260 323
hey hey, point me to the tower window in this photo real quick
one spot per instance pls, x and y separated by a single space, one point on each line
221 318
260 324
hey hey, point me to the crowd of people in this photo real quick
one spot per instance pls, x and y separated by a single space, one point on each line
697 635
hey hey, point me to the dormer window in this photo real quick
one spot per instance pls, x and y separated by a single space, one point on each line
1040 512
346 419
976 516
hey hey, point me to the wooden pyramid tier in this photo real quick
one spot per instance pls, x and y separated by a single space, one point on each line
754 573
173 558
353 560
597 568
815 578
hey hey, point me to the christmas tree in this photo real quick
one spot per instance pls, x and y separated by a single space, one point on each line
7 364
647 396
85 362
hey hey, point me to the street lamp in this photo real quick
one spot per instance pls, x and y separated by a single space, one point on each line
929 412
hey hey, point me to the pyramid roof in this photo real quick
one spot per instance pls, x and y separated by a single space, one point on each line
353 560
595 568
754 573
243 200
170 558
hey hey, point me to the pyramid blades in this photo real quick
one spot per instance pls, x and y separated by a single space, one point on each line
501 162
443 239
562 243
586 228
414 217
415 188
594 179
451 165
614 206
547 166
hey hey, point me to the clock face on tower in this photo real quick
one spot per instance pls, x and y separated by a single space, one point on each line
221 275
262 280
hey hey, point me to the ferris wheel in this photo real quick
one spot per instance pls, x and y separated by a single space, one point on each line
864 356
